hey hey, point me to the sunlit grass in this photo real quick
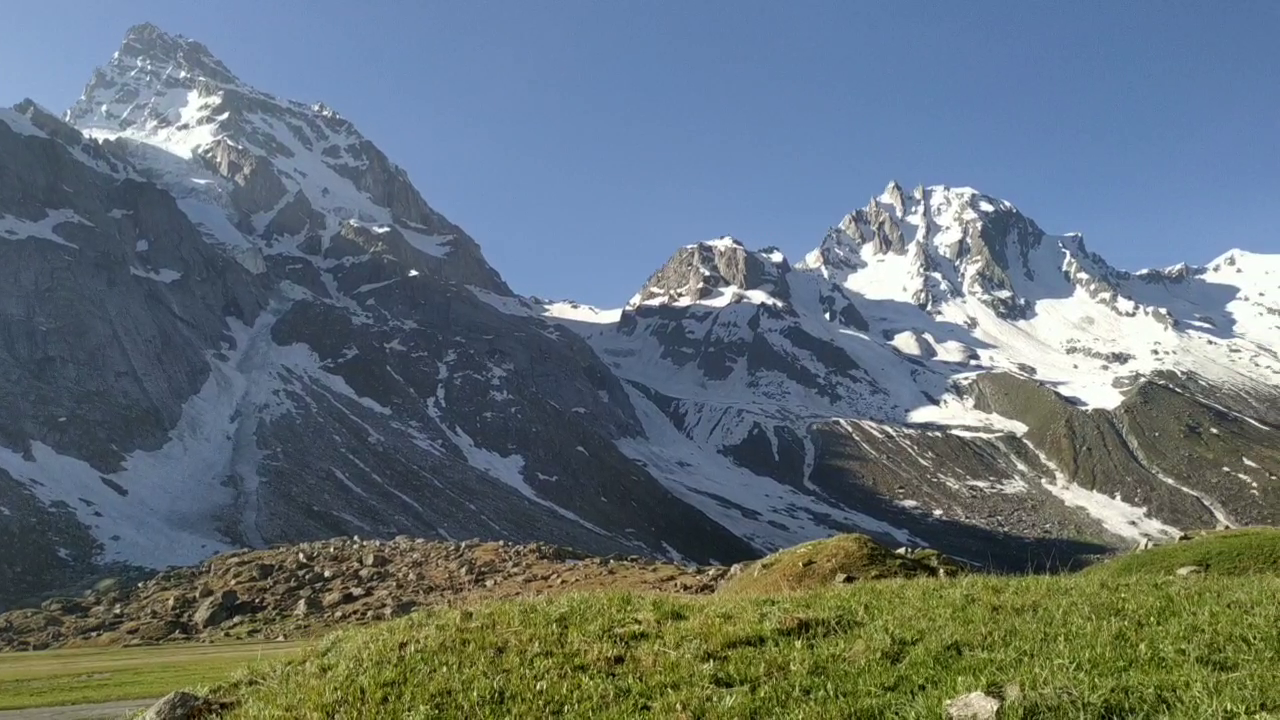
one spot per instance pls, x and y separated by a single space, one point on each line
1059 647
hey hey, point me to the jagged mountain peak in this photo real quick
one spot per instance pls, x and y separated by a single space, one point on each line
893 221
971 261
151 60
939 243
259 173
215 407
148 42
717 272
961 276
149 63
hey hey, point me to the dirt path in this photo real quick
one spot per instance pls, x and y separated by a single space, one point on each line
100 711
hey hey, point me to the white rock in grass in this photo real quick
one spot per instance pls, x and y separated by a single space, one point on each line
974 706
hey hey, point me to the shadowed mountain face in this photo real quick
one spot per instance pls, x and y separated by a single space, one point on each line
230 320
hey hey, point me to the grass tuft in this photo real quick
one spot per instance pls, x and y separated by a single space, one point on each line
842 559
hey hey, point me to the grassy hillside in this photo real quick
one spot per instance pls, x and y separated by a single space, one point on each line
836 628
1084 646
1249 551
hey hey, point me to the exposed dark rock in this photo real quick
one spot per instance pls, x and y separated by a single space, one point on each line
698 271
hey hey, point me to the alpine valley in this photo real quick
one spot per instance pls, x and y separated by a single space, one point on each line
228 320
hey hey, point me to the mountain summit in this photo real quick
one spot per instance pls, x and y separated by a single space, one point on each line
231 321
154 58
283 173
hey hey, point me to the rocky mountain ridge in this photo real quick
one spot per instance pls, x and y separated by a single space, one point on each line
232 321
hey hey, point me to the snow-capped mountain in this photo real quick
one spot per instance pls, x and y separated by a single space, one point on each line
260 173
230 320
940 358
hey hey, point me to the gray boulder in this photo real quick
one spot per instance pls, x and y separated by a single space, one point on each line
180 705
216 610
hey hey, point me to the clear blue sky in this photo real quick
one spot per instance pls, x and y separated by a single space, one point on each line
582 141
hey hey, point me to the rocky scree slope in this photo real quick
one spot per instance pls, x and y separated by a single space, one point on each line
302 590
232 321
307 589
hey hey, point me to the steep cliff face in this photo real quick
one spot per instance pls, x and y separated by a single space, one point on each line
111 299
111 307
228 319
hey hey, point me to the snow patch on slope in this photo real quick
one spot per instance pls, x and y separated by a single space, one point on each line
165 508
164 520
509 470
174 493
577 312
15 228
20 123
1117 516
164 275
762 511
434 245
